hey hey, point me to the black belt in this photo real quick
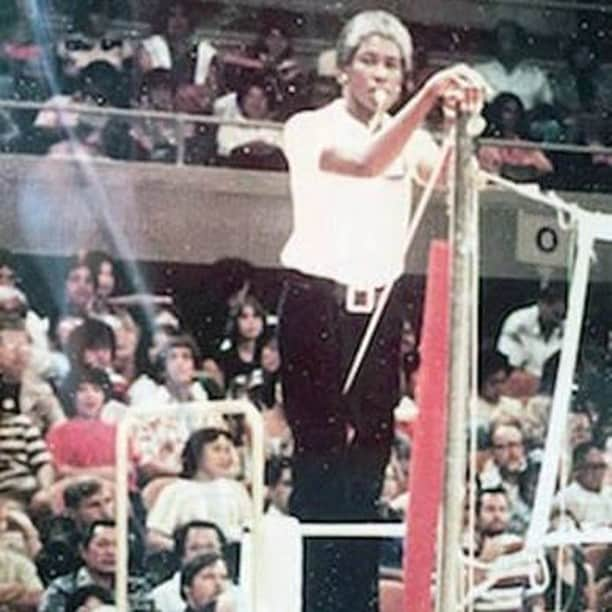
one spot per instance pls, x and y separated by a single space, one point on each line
353 299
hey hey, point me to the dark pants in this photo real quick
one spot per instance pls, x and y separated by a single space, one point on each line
336 480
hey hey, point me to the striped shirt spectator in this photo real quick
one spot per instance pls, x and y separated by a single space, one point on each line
25 462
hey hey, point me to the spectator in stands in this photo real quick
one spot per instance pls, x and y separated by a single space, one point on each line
493 370
89 598
92 344
204 491
127 337
25 390
86 499
204 584
510 71
586 497
97 552
155 139
247 146
190 540
78 288
36 326
192 61
25 467
159 441
513 469
271 58
72 133
531 334
582 90
104 272
84 445
181 357
279 481
506 119
20 586
494 541
17 531
580 428
240 352
568 565
91 40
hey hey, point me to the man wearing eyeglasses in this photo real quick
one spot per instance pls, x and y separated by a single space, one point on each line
513 469
588 499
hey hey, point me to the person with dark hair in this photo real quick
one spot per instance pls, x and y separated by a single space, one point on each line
104 271
175 47
493 371
205 490
351 169
159 441
97 552
588 497
91 344
156 139
582 89
239 355
89 598
190 540
506 118
84 444
204 580
279 481
86 500
511 71
531 334
248 146
494 540
72 132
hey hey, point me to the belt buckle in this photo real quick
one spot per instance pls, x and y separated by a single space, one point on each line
360 301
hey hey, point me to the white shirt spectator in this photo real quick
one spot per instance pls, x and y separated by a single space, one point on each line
522 341
590 509
230 137
356 238
167 595
525 80
222 501
158 51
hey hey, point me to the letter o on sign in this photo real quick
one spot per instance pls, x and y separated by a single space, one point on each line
546 239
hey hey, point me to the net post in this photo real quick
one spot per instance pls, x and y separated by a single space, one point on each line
461 216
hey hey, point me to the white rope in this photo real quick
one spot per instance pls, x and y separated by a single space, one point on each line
534 193
515 565
384 296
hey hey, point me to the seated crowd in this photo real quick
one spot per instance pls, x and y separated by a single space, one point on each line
177 70
67 379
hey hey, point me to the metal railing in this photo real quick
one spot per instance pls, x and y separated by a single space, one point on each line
180 120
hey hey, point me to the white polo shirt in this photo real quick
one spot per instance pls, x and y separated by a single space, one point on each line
349 229
522 341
